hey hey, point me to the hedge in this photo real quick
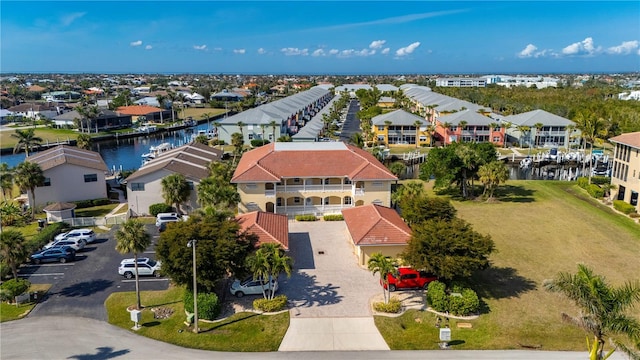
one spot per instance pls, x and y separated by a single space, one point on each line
270 305
460 301
258 142
306 217
91 203
393 306
208 304
595 191
333 217
583 182
623 207
600 180
155 209
437 296
12 288
46 235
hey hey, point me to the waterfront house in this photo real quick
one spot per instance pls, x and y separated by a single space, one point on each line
34 111
145 113
376 229
269 227
310 178
469 126
626 168
144 187
71 174
106 120
554 130
398 128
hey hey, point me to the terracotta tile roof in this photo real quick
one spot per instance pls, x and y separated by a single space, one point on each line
275 161
64 154
137 110
269 227
376 225
630 139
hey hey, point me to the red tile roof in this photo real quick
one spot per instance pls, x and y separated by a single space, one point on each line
137 110
376 225
273 162
630 139
269 227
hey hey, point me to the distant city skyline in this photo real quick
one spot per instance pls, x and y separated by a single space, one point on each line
319 37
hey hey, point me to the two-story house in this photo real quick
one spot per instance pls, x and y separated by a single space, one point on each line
310 178
401 128
626 167
469 126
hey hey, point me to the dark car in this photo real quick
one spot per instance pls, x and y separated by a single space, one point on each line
57 254
408 278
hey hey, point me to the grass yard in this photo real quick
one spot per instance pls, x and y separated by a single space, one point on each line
242 332
540 228
47 134
96 211
10 312
196 113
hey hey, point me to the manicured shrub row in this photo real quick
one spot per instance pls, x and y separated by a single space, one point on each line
593 189
259 142
276 304
623 207
333 217
306 217
12 288
89 203
208 304
460 301
155 209
393 306
47 234
600 180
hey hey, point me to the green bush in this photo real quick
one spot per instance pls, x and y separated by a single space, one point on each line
306 217
12 288
333 217
623 207
464 303
583 182
600 180
437 296
276 304
155 209
82 204
393 306
100 202
258 142
634 215
208 304
47 234
595 191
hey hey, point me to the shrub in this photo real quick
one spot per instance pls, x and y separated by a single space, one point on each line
623 207
83 204
258 142
100 202
634 215
208 304
600 180
436 296
12 288
464 303
155 209
333 217
393 306
276 304
306 217
583 182
595 191
47 234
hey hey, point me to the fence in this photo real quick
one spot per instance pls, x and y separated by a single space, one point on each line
96 221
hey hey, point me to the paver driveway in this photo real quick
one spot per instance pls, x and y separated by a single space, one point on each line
326 281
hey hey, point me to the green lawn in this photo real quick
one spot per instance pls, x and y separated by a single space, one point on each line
242 332
96 211
540 228
196 113
47 134
10 312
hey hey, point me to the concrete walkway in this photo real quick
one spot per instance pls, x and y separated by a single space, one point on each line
329 334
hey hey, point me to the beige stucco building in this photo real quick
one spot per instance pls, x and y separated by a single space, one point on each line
626 168
310 178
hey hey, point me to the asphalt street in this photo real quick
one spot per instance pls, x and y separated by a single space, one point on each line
351 123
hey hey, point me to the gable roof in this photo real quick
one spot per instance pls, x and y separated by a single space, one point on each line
471 117
399 117
531 118
65 154
630 139
272 162
269 227
24 107
376 225
137 110
191 160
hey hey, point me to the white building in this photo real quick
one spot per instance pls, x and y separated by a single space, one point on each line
461 82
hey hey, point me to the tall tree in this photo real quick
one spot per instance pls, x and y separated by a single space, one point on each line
268 262
217 193
384 266
357 140
162 105
27 140
538 127
603 308
28 176
13 250
6 180
273 125
416 207
417 125
492 175
83 141
133 238
175 190
237 140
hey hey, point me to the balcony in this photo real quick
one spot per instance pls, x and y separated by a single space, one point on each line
269 193
311 209
315 188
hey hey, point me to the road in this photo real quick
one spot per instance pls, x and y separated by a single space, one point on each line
351 123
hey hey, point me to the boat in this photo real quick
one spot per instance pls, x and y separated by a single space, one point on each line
210 134
148 128
154 151
525 163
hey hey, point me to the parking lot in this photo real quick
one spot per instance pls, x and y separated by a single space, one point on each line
80 287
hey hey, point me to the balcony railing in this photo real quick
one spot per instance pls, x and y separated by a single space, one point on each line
270 193
314 187
311 209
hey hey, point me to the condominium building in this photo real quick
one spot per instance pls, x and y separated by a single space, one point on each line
626 167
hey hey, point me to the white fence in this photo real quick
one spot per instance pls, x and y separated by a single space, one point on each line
97 221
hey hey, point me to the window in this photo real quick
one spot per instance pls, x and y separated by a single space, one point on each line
347 200
296 200
251 186
347 181
296 180
90 177
137 186
376 184
250 136
47 182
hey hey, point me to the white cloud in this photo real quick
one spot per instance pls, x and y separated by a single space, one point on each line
385 51
318 52
148 47
333 51
200 47
136 43
354 52
377 44
627 47
407 49
294 51
528 51
69 18
239 51
584 47
262 51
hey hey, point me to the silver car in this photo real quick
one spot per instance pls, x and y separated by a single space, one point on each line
249 286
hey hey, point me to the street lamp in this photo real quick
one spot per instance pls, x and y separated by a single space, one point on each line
192 244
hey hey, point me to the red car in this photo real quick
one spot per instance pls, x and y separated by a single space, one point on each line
408 278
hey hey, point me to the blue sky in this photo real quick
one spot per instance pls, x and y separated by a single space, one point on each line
321 37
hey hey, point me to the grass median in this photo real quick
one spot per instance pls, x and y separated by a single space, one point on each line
540 228
242 332
9 312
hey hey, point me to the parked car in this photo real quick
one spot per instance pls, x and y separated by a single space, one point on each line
76 244
163 218
408 278
61 254
249 286
85 234
146 267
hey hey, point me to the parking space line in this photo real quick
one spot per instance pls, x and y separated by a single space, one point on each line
145 280
49 265
30 275
150 252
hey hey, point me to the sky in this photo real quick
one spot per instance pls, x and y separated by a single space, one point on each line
319 37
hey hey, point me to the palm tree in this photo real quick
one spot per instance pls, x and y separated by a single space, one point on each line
161 104
262 127
13 249
133 238
417 124
492 175
357 140
172 97
182 98
83 141
175 190
397 168
506 125
268 262
447 127
237 140
206 116
240 125
28 176
462 125
273 125
6 180
522 129
538 127
27 140
469 160
384 266
594 127
602 308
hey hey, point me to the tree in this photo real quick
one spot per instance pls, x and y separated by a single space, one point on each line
450 249
217 193
268 262
357 140
13 250
172 97
222 249
417 124
602 307
240 125
237 140
383 265
6 180
462 125
397 168
523 129
538 127
273 125
28 176
417 207
27 140
175 190
89 114
492 175
133 238
206 116
83 141
161 104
